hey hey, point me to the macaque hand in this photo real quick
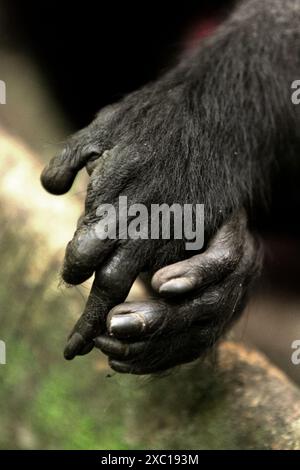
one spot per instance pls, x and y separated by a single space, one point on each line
199 298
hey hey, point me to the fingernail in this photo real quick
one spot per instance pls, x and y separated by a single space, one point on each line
74 346
126 325
176 286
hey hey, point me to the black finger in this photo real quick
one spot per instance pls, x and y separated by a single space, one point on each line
221 257
84 253
118 349
133 320
99 230
110 287
58 176
163 354
87 145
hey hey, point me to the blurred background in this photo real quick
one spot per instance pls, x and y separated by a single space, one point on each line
61 63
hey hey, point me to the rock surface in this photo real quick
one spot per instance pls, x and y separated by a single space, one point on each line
237 401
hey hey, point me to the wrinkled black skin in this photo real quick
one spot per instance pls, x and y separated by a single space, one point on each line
210 131
209 292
